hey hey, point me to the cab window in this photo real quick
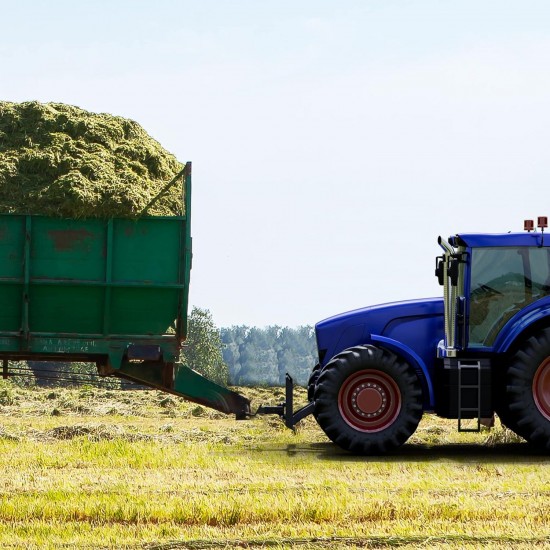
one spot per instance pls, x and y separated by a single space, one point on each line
504 281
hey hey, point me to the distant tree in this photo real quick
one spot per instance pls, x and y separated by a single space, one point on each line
232 338
263 355
202 350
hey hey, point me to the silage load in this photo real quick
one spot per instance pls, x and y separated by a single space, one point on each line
60 160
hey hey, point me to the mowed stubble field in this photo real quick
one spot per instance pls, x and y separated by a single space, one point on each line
97 468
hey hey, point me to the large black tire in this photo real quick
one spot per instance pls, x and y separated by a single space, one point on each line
526 407
313 377
506 418
502 406
368 401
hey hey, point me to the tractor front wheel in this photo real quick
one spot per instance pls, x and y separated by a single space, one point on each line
313 377
367 400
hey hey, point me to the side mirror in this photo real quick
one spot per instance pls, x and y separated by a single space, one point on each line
439 271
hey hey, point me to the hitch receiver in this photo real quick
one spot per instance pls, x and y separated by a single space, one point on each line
286 409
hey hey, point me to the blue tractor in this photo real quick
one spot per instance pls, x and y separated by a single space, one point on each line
482 348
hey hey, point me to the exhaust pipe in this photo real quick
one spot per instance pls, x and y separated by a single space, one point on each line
445 245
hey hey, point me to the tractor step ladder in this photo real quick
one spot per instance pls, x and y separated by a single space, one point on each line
469 394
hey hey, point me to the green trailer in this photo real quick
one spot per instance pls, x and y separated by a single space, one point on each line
110 291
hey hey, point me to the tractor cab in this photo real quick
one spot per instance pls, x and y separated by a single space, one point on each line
494 287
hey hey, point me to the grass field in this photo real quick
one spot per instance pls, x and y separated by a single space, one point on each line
95 468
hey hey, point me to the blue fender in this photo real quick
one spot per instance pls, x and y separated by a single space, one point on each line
411 357
519 322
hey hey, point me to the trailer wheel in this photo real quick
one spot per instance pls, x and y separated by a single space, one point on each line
313 377
527 405
367 400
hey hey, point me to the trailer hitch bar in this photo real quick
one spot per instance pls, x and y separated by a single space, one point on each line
286 409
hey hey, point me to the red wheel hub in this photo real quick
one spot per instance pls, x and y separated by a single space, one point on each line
369 400
541 388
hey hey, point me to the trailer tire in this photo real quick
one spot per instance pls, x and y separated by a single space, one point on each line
313 377
527 407
368 400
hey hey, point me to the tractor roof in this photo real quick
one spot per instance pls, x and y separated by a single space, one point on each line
499 239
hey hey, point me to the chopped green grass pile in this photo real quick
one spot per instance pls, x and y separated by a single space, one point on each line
60 160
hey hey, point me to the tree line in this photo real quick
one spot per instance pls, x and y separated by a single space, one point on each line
249 356
262 356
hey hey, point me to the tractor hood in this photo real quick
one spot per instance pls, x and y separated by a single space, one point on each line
415 324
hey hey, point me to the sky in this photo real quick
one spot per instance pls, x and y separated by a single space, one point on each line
332 141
